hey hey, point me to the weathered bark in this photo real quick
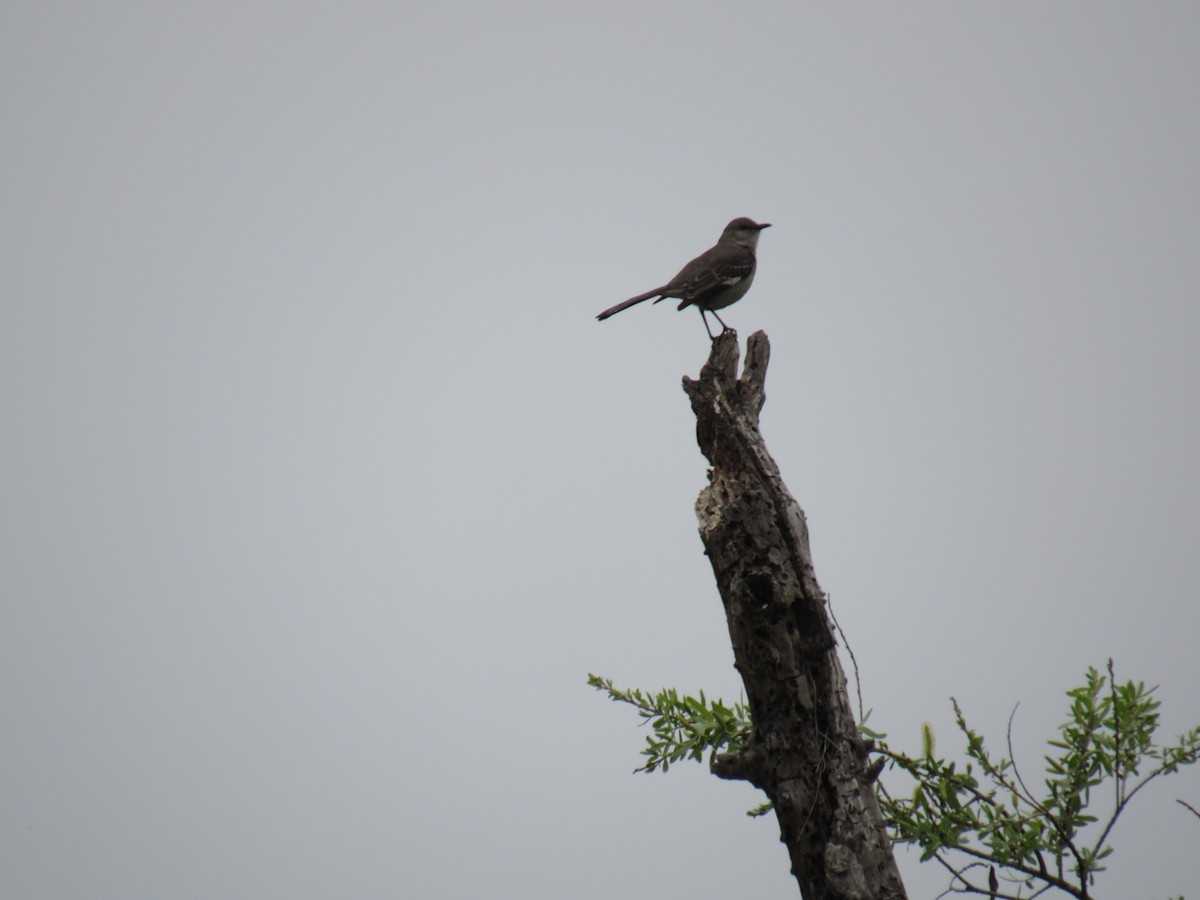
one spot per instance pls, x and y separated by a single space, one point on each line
806 752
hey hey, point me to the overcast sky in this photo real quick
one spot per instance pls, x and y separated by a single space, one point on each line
323 490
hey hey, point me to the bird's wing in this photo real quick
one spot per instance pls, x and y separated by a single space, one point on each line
712 272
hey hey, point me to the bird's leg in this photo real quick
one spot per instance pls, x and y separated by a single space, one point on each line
705 320
724 327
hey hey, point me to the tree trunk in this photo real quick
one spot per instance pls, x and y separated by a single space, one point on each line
805 752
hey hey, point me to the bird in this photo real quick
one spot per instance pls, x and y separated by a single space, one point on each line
716 278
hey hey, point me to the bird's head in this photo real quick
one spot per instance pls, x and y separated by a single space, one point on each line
744 231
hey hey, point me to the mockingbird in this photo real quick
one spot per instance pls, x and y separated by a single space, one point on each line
713 280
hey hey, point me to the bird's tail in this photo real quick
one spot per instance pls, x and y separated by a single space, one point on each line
612 311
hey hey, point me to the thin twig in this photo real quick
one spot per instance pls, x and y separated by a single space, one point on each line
850 650
1039 808
1120 809
1012 757
967 886
1061 884
1118 778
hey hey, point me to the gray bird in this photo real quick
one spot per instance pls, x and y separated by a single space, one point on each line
713 280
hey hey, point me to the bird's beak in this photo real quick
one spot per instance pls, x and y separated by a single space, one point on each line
764 225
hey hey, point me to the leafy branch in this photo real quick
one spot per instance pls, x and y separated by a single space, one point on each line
684 727
1048 838
980 816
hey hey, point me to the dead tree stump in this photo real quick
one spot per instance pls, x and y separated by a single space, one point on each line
805 751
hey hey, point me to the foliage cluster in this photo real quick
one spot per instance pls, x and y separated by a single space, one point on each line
980 820
683 727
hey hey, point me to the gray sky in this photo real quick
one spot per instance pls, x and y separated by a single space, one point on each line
323 491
